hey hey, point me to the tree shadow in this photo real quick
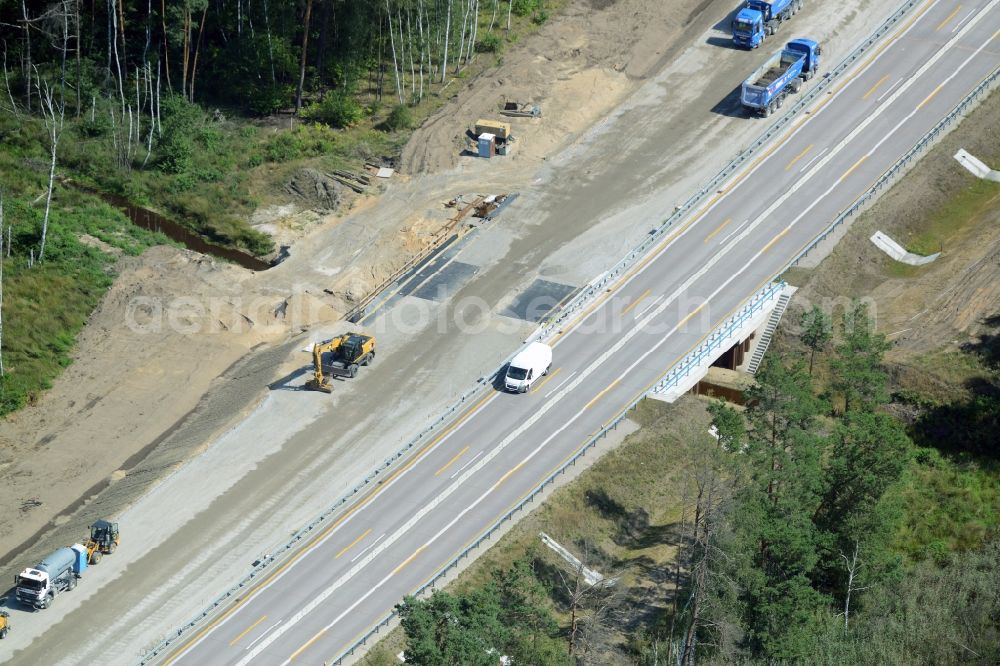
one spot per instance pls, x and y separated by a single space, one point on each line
988 347
970 426
634 529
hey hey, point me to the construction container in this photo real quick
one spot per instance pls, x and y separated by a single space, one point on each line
487 145
495 127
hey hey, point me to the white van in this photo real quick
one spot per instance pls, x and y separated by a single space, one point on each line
528 366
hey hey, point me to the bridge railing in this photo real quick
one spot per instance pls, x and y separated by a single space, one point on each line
586 295
711 343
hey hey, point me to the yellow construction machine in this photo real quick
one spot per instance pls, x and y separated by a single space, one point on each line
4 623
104 539
347 352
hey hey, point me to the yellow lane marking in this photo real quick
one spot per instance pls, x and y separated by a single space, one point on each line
855 166
799 157
450 462
775 240
930 97
717 230
507 475
544 381
308 643
739 177
688 318
352 544
247 630
875 87
864 65
407 561
363 502
601 394
569 326
948 20
636 301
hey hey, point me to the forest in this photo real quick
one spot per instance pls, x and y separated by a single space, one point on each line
820 529
197 110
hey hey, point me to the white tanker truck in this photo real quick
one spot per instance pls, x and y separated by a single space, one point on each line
37 586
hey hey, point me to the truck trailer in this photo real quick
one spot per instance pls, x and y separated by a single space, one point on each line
765 90
38 586
760 18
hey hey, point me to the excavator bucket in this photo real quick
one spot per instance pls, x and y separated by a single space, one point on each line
325 387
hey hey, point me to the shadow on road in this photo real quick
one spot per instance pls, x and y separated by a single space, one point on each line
723 43
730 105
282 384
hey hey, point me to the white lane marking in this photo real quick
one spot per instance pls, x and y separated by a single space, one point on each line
818 155
337 528
647 308
607 354
734 232
468 474
890 89
262 635
461 514
560 384
460 469
744 178
962 22
614 348
367 548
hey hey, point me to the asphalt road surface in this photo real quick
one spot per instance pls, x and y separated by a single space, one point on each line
315 606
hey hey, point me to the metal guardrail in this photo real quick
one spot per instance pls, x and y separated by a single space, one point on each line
902 164
589 292
577 303
683 367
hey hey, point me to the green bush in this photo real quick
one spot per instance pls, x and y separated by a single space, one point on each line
524 7
303 141
400 118
336 109
267 100
540 17
490 43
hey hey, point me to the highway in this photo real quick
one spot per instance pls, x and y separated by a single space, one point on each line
315 606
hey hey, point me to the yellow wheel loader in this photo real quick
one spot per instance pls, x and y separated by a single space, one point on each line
4 623
346 354
104 539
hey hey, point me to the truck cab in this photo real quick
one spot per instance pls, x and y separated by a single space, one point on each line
34 588
760 18
748 28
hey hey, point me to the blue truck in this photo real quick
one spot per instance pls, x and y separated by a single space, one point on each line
760 18
765 90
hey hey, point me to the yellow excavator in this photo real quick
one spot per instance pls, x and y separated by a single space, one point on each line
104 539
348 352
4 623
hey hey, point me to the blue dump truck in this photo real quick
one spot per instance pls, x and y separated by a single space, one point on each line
783 73
760 18
38 586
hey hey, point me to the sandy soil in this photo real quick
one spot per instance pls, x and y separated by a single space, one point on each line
170 326
576 68
157 360
941 305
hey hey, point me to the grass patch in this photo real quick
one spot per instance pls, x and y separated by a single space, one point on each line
46 305
960 212
949 505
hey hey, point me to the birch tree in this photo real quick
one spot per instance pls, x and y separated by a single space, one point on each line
53 114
